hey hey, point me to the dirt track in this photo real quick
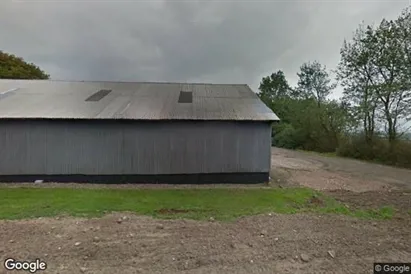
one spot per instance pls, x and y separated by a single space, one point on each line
332 173
257 244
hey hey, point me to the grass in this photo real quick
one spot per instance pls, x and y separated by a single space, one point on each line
199 204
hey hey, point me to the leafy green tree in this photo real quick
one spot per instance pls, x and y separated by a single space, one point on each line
352 72
404 32
330 117
389 75
374 69
378 62
274 87
13 67
308 122
314 82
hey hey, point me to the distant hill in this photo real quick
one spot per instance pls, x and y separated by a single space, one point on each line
13 67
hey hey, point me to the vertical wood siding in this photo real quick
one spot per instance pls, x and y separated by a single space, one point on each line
117 147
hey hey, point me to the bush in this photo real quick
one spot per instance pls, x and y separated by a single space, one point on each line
401 154
398 154
285 136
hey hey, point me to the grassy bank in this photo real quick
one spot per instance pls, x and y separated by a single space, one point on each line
221 204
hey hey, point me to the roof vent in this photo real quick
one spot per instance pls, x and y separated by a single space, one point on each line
185 97
98 95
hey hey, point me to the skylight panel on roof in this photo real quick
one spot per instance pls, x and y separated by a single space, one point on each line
185 97
98 95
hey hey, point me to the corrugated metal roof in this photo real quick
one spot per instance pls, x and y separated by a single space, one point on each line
25 99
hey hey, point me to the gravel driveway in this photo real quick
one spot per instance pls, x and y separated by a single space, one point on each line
335 173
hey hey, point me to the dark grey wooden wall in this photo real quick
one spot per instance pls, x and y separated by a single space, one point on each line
123 147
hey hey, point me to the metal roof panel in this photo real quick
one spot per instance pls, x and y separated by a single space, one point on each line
45 99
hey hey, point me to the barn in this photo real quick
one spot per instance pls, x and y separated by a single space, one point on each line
133 132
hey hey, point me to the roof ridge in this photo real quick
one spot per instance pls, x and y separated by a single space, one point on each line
125 82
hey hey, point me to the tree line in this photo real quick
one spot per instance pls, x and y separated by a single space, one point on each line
369 121
13 67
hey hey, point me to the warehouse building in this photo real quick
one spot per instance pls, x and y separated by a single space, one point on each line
123 132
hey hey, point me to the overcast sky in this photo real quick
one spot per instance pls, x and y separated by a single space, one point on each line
201 41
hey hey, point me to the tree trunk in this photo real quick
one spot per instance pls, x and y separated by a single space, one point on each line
369 125
366 129
392 136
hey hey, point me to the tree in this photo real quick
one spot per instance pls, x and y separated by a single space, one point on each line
274 87
12 67
389 75
352 72
376 69
304 123
314 82
375 72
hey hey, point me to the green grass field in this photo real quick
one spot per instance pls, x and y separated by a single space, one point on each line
199 204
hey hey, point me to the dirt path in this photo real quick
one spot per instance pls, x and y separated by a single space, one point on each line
259 244
333 173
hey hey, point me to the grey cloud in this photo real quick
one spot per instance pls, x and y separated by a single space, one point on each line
204 41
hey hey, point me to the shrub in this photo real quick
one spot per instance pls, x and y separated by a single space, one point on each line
379 150
285 136
400 155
